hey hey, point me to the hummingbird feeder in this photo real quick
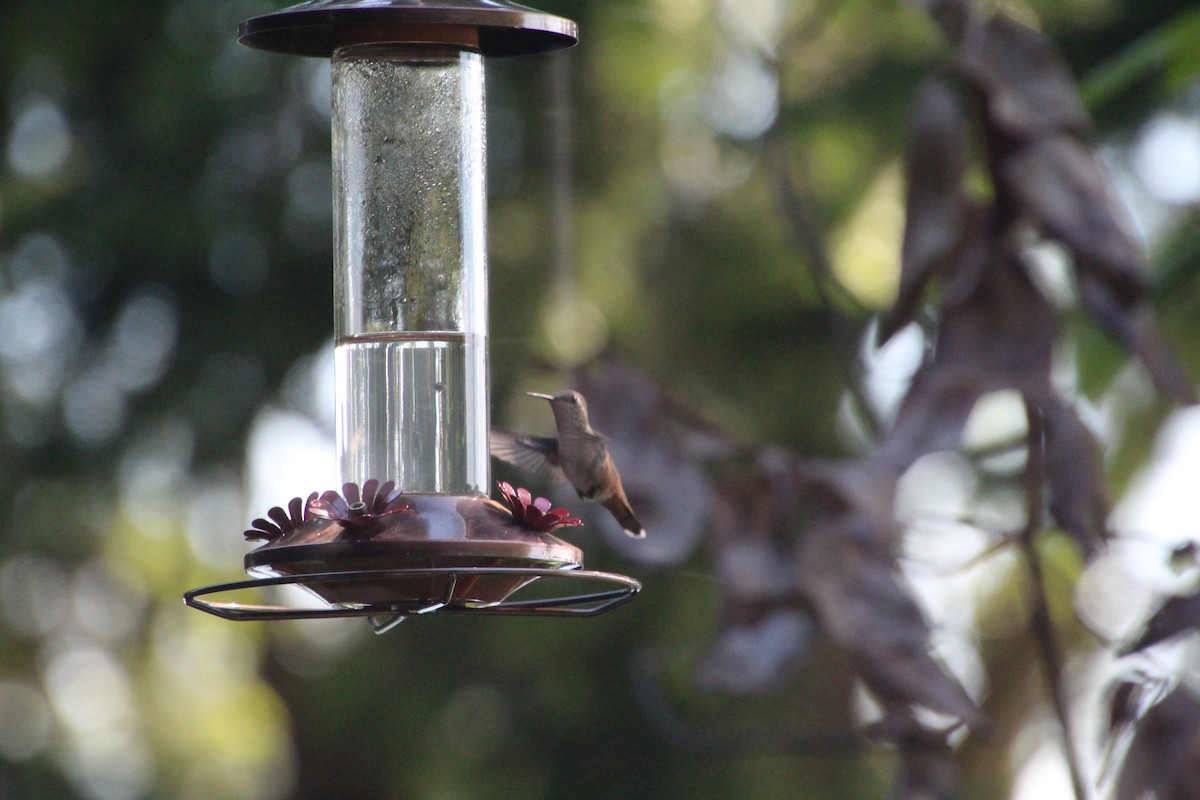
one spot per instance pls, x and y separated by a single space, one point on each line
410 317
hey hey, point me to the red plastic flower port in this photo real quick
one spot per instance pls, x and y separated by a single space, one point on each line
536 514
281 521
353 509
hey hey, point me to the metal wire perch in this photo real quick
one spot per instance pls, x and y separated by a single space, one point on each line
383 616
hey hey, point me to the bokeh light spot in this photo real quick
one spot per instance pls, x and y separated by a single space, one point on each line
40 141
28 724
1167 159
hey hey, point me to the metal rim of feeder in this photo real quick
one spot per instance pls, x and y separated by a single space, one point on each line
492 27
383 616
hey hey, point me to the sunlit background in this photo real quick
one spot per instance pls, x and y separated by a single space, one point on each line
166 376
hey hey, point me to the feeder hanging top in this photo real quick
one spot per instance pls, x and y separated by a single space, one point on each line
493 27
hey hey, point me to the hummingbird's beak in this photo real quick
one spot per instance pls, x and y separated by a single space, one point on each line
542 396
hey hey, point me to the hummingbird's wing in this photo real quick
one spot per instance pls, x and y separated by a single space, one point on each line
537 455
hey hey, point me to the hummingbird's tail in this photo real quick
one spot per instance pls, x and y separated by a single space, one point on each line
619 506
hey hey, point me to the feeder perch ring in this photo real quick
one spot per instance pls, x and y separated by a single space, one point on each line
579 604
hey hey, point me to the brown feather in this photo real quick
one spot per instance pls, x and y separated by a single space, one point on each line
619 507
537 455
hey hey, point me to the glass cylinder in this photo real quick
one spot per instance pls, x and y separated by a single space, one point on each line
410 286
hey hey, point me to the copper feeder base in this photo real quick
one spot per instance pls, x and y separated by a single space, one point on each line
439 532
448 554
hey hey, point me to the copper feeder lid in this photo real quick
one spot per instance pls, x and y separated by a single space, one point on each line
493 27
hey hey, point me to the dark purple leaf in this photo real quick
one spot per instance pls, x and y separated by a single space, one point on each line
955 17
926 768
1078 495
936 208
1063 188
1028 91
1163 759
1184 556
1131 322
1002 333
1176 615
846 567
999 335
1124 704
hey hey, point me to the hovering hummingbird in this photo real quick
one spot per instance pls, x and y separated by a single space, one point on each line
579 455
